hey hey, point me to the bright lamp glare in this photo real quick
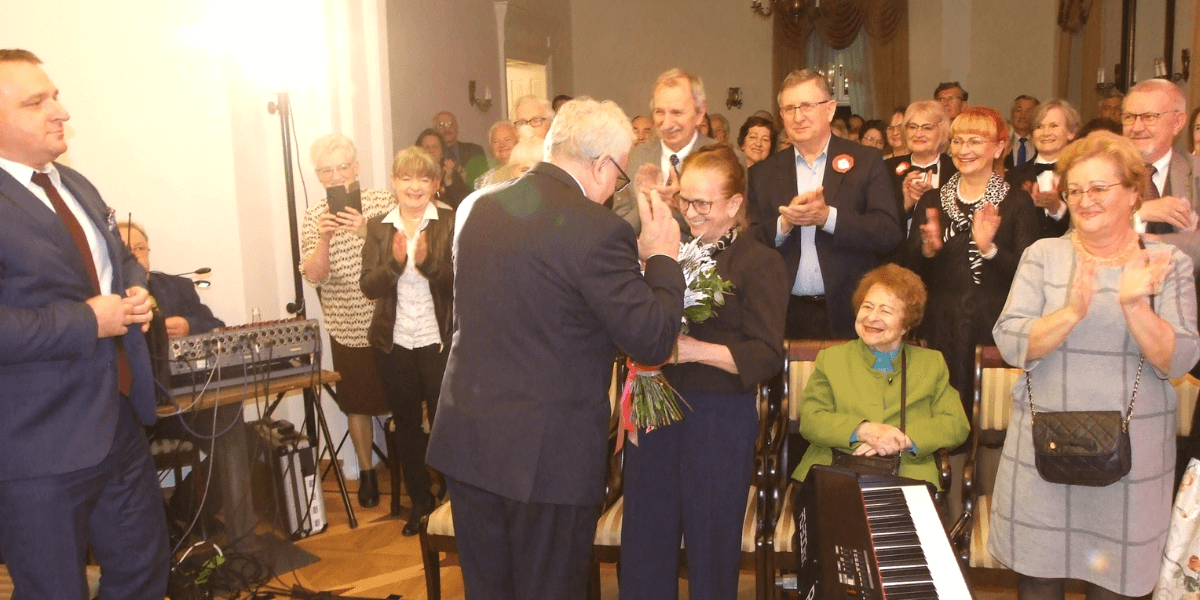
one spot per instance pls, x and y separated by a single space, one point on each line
279 44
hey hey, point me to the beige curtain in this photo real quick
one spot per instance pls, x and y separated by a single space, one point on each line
839 22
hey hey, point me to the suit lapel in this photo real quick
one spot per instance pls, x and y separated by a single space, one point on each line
1179 177
94 207
21 196
46 218
833 179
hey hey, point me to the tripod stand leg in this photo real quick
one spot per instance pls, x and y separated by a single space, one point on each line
312 400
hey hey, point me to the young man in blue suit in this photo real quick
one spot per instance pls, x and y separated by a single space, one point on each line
75 382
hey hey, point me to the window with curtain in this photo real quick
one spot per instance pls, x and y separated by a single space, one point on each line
855 66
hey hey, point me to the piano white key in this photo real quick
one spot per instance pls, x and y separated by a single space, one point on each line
947 576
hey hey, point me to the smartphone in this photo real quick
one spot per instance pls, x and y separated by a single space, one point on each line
340 198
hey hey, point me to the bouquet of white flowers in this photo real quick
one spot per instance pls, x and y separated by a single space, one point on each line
649 401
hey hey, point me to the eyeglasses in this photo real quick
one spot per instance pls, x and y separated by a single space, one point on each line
892 128
1097 193
926 128
140 249
327 171
622 178
948 99
1148 118
804 108
974 144
702 206
444 125
534 122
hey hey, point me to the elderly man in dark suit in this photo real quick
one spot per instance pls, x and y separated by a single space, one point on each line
468 157
74 371
827 205
547 288
175 296
1155 111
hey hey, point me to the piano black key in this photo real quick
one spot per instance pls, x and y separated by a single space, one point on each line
899 553
914 594
905 575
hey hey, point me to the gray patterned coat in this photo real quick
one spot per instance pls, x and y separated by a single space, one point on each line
1111 536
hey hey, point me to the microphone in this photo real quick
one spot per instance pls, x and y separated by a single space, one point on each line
200 271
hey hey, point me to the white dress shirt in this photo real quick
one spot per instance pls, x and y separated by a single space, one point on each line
809 177
664 162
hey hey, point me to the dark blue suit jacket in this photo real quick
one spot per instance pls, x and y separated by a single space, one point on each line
58 382
176 297
546 289
868 225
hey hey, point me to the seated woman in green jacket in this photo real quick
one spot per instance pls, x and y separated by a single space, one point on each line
852 400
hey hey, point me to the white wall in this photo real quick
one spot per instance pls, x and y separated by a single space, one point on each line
170 122
997 50
620 46
436 47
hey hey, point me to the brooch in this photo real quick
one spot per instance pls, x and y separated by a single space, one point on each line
902 168
843 163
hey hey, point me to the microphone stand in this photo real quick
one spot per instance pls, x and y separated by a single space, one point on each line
314 414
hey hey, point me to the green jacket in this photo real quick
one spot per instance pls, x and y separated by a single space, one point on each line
845 390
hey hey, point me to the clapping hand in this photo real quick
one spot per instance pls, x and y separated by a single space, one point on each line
806 209
931 234
400 247
1083 286
660 231
1169 209
915 184
648 177
984 225
1143 276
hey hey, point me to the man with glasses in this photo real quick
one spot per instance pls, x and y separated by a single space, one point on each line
532 116
1021 141
953 98
679 105
547 288
469 157
1153 114
827 205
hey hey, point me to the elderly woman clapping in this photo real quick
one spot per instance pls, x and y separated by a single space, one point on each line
1092 317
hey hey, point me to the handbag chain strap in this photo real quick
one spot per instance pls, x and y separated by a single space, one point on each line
1133 398
1136 380
903 389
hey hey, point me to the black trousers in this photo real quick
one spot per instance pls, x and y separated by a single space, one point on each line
808 319
116 506
409 378
512 550
689 481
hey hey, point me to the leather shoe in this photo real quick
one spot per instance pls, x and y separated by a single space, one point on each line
419 510
368 489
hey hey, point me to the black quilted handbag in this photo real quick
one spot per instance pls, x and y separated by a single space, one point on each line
1082 447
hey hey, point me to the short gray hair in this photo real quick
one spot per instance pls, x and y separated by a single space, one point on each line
547 110
330 142
1074 122
802 76
587 129
677 77
1162 86
498 125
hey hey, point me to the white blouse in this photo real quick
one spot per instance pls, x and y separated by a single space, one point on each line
416 322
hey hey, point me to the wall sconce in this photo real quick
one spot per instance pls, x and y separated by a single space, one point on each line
1185 60
1102 86
734 99
484 104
